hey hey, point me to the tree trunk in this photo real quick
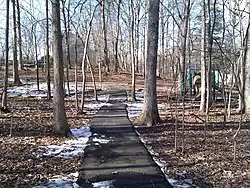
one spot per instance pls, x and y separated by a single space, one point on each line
203 58
66 26
104 30
4 97
117 36
85 57
61 124
211 26
15 62
36 57
161 63
182 67
132 49
47 51
19 36
241 81
246 72
150 114
76 74
92 77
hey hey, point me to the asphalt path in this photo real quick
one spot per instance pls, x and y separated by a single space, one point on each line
115 152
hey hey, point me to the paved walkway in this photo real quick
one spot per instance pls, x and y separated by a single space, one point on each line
118 156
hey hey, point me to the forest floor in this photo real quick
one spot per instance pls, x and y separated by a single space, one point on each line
207 159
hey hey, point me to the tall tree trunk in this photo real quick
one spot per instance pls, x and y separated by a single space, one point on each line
211 26
150 114
85 57
76 73
47 51
104 31
203 58
241 106
20 63
117 36
15 62
4 97
92 77
182 67
161 62
36 57
61 124
132 49
145 40
136 29
246 69
66 26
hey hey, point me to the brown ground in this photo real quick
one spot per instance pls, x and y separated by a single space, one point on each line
208 151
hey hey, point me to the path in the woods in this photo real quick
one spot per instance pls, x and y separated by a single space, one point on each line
118 158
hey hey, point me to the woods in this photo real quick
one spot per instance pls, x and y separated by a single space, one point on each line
186 63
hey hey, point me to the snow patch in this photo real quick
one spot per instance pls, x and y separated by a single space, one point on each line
104 98
96 105
134 109
61 181
101 141
103 184
72 147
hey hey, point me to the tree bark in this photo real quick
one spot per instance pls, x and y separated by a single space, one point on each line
47 51
104 31
132 49
76 73
150 114
6 75
20 63
36 58
203 58
66 26
61 124
211 26
182 67
15 62
246 70
92 77
85 57
117 36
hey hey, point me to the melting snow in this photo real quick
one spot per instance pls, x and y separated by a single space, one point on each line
103 184
100 140
71 147
134 109
29 90
96 105
60 181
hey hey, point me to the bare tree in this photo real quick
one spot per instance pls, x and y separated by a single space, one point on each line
203 57
61 124
20 63
132 49
150 114
104 31
117 36
84 58
15 63
47 51
247 70
66 22
211 27
4 97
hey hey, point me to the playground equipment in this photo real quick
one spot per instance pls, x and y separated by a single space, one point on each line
194 83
